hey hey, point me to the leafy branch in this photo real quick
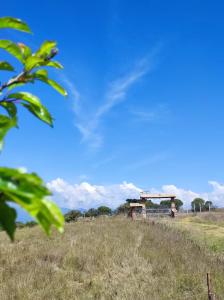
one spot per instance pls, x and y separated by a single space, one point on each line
27 190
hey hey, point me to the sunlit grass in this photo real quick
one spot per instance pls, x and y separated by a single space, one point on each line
206 228
111 258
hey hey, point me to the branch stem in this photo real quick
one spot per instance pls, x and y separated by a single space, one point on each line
17 79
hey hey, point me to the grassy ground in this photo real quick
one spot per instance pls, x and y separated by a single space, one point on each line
205 228
110 258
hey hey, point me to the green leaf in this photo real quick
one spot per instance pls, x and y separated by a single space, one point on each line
33 62
42 75
10 108
56 86
6 124
14 85
34 105
25 96
50 213
40 112
4 65
9 22
8 219
45 48
12 48
54 64
29 191
26 51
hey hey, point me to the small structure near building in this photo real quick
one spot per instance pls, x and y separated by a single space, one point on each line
144 196
134 205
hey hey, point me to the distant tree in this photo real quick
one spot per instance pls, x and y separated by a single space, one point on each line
208 204
197 204
179 203
31 224
123 208
104 210
19 225
132 200
150 204
165 204
92 212
72 216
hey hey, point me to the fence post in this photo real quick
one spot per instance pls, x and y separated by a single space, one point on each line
211 296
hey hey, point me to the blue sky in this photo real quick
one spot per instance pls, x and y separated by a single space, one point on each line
145 83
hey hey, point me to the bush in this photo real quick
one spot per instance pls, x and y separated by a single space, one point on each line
30 224
123 208
72 216
92 212
104 210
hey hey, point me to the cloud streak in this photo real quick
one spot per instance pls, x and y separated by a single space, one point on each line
116 93
89 124
156 114
118 89
147 161
73 93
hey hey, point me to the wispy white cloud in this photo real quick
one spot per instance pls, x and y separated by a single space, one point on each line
72 87
72 91
83 177
89 132
156 114
152 159
117 92
118 89
81 122
89 124
86 195
104 161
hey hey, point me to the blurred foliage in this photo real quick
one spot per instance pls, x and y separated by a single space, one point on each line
27 190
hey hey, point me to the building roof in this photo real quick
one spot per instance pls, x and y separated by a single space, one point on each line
149 195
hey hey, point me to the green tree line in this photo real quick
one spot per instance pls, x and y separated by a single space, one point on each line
73 215
199 204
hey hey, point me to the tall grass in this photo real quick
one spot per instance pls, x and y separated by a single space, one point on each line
112 258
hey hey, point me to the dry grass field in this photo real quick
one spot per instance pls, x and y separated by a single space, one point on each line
111 258
207 229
